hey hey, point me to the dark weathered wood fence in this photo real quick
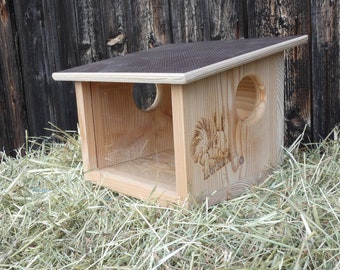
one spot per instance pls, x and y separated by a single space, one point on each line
38 37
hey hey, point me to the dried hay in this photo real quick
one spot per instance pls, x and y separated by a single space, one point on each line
52 219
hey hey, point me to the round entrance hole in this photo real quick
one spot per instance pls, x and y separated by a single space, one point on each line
250 99
146 96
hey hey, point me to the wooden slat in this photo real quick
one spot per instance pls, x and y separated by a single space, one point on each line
158 169
39 56
183 180
201 20
133 185
280 104
325 66
86 125
13 121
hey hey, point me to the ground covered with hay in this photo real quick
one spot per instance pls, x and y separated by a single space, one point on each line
52 219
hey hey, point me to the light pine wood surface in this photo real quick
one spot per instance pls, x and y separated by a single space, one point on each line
212 138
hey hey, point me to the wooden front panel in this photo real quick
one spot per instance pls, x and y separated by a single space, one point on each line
231 136
122 131
85 119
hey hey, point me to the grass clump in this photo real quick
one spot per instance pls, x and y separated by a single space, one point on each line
52 219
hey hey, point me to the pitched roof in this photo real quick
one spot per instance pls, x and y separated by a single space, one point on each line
180 63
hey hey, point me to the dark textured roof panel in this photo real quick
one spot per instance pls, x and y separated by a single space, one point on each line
178 58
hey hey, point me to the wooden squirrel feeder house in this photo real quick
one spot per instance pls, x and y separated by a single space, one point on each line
209 123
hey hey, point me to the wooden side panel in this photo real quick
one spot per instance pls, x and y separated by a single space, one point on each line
122 131
85 116
226 151
181 144
280 103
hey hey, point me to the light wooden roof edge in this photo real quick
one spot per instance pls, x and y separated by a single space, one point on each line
127 77
181 78
243 59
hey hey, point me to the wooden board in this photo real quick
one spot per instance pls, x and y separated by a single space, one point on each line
325 55
13 121
86 125
122 132
144 178
180 63
223 144
39 54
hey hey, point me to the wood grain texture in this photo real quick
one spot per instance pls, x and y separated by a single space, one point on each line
135 184
39 55
13 121
325 66
199 20
284 18
52 35
122 131
211 138
280 104
158 169
124 148
226 20
182 163
86 125
228 152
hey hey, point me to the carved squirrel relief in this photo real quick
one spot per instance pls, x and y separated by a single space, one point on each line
209 145
217 140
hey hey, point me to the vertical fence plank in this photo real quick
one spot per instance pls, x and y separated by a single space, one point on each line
188 23
226 20
67 55
30 22
141 24
114 21
201 20
136 23
13 122
160 22
89 45
282 18
325 66
40 56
